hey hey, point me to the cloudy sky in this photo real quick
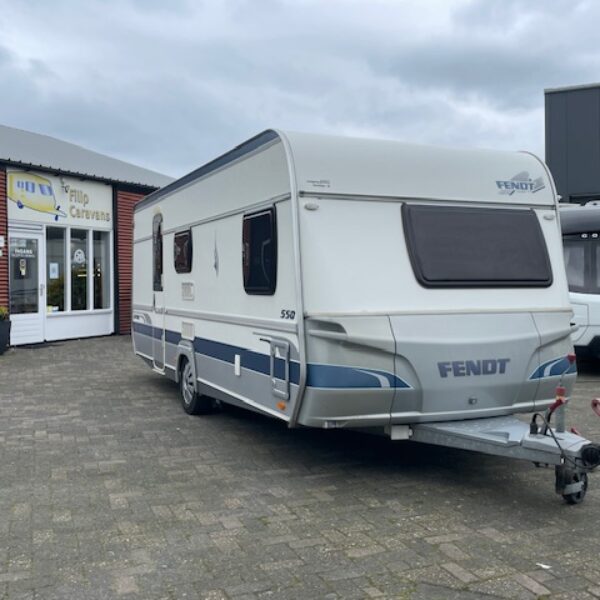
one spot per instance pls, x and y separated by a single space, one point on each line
171 84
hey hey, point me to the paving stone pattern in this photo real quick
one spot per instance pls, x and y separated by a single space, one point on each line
109 490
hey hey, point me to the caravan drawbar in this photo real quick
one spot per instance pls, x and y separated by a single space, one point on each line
348 283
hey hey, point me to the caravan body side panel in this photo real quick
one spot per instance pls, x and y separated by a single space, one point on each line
231 332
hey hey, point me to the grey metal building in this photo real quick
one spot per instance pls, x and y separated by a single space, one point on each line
573 141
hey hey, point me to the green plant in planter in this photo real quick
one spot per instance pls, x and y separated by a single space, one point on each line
4 328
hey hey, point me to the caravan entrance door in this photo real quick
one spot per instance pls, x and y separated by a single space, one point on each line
158 295
27 287
158 329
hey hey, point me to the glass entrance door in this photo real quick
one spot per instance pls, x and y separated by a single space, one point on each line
27 287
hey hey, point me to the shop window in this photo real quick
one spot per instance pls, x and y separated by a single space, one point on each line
157 253
101 269
55 269
182 251
259 252
79 269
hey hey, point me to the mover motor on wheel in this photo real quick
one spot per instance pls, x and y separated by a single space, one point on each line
339 282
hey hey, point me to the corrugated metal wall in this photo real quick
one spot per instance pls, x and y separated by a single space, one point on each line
3 232
573 141
124 252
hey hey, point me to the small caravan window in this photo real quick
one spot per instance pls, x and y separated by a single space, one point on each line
182 251
259 252
476 247
157 253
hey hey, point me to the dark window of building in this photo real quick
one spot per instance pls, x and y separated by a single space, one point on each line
79 269
101 269
55 269
157 253
259 252
182 251
476 247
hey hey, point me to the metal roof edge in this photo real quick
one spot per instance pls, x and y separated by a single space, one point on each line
78 175
221 161
568 88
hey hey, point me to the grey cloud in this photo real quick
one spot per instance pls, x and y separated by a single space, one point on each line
169 86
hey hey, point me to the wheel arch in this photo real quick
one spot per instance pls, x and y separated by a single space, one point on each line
185 350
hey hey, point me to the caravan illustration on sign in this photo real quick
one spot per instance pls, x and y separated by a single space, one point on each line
32 191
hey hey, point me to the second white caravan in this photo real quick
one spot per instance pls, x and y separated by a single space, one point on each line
581 239
337 282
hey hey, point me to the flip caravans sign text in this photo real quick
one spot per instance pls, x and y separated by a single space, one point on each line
58 200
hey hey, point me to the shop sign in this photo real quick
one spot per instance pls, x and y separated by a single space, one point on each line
58 200
19 248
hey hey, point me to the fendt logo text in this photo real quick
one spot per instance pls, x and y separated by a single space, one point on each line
520 183
466 368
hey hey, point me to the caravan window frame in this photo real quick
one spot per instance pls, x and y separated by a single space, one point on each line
250 287
428 231
157 252
183 251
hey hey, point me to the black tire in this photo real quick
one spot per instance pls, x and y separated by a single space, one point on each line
579 496
193 403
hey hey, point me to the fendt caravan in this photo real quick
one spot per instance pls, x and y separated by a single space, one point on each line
336 282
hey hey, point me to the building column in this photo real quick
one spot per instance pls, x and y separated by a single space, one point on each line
124 253
3 233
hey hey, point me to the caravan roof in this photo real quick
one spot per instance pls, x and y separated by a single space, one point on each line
336 165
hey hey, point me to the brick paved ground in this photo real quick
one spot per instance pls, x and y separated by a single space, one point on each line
109 490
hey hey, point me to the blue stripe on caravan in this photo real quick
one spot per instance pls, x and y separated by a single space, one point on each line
554 368
338 376
321 376
172 337
254 361
148 330
156 332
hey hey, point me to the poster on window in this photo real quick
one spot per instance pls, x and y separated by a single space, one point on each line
58 200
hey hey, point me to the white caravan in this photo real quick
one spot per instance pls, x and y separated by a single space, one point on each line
581 239
336 282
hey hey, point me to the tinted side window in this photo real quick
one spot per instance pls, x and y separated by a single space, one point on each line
157 253
259 252
476 247
182 251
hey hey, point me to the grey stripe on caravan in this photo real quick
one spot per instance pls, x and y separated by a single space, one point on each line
461 311
231 213
413 200
143 307
151 359
179 184
244 399
270 324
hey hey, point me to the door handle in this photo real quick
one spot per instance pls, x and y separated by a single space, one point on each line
284 349
42 288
